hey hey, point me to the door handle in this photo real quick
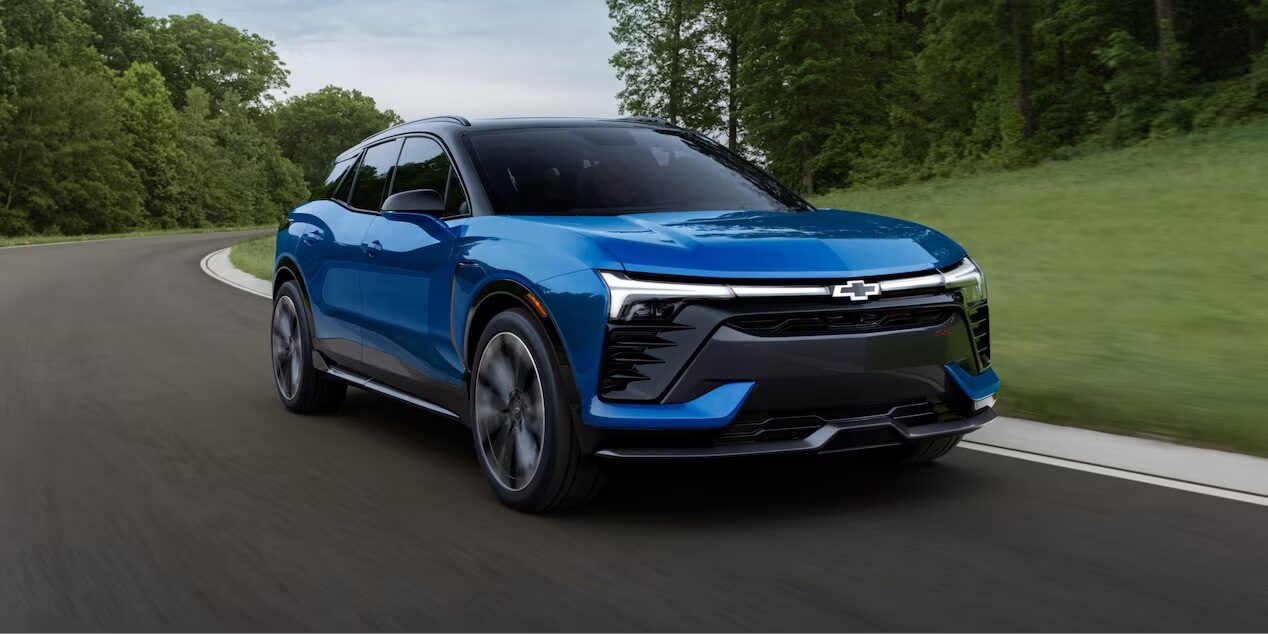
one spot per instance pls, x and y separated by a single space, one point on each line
372 249
311 236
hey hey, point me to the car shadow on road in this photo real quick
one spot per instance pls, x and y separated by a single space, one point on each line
690 491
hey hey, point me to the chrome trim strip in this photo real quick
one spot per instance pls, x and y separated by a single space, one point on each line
622 289
387 390
779 291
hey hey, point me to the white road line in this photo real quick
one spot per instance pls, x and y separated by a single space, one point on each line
1144 478
217 265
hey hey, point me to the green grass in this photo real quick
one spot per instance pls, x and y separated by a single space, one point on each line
1129 289
255 256
50 239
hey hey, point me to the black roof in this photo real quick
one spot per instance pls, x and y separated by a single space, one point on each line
454 123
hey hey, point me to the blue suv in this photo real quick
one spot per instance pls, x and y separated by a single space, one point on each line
579 291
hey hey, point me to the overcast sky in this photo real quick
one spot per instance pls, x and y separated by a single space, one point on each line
479 58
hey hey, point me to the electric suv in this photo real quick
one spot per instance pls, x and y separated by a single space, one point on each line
579 291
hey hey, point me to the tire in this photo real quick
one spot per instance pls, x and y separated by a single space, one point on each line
301 388
517 400
924 451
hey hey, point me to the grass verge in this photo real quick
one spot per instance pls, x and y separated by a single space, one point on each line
1129 289
255 256
21 241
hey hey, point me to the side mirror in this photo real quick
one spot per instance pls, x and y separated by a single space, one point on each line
415 201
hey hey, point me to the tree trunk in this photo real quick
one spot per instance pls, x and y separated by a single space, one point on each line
732 102
807 174
1023 59
1166 36
675 60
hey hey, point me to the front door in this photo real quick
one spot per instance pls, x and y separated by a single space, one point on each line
406 289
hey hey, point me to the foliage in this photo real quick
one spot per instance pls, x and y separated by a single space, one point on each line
111 120
194 52
1117 301
313 129
856 92
668 61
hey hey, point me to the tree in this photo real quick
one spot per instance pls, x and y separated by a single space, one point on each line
194 52
63 158
123 33
313 129
804 83
668 62
147 115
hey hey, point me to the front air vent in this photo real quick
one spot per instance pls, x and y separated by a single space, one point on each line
629 350
980 326
840 322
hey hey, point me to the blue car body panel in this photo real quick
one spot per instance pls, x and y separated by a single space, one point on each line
762 244
417 290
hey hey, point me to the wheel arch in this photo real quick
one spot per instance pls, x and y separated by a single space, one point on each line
496 297
288 271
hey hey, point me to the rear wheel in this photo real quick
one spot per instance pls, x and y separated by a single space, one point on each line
300 386
520 419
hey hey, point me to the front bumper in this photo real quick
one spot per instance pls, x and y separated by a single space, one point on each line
830 437
737 378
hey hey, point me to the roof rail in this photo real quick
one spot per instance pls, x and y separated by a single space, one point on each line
446 117
651 120
462 121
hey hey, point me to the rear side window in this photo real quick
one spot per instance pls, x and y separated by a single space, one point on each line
373 174
424 165
337 176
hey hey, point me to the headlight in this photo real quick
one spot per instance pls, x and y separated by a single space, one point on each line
629 298
968 277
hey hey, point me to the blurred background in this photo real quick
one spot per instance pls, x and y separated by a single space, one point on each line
1103 159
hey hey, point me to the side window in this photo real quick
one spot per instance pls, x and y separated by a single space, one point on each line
345 186
373 174
337 176
455 198
424 165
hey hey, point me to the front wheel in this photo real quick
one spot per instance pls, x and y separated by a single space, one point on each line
923 451
520 419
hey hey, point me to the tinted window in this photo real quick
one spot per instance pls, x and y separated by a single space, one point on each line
345 185
611 170
424 165
328 188
372 175
455 198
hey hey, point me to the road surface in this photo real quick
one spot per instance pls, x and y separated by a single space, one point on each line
150 480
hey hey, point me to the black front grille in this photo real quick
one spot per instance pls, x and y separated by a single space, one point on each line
629 350
980 326
840 322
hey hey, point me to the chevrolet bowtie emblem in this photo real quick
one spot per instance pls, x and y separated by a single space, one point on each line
856 290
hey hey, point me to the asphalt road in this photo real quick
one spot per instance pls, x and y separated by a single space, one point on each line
150 480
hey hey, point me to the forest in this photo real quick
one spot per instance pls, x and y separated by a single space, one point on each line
112 120
846 93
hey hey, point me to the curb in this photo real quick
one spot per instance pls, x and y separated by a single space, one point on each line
1208 472
218 265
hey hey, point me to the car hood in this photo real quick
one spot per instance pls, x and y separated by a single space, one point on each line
764 244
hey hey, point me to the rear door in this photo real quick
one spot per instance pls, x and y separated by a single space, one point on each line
407 288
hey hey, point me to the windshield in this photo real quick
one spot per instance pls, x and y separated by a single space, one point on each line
615 170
